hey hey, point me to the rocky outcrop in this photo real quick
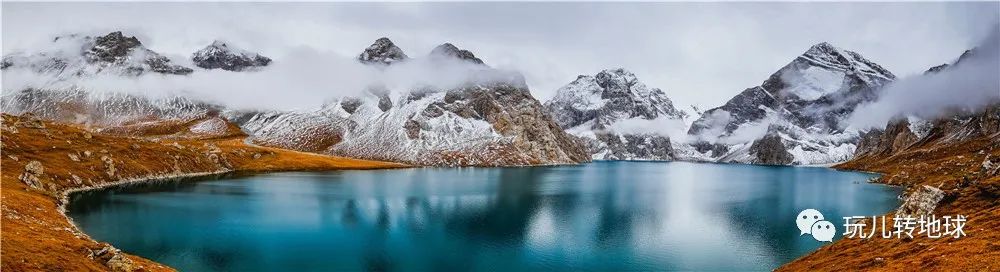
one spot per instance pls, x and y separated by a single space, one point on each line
32 175
220 55
920 201
869 143
609 146
605 110
770 150
383 51
895 137
751 105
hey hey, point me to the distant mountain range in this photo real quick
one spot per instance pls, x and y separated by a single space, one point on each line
796 116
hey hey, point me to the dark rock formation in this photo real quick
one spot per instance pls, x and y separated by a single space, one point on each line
383 51
220 55
770 150
113 47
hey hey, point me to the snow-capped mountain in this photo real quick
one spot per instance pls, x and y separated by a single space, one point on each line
804 104
220 55
488 117
77 55
486 122
383 51
618 116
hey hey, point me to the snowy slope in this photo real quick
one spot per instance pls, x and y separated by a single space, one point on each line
491 120
618 116
799 111
220 55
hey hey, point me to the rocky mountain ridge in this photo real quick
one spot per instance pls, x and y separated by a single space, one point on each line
485 123
805 104
220 55
604 110
383 51
77 55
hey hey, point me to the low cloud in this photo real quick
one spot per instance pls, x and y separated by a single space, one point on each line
302 78
967 86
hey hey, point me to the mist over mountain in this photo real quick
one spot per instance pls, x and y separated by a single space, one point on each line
449 102
968 84
618 116
306 78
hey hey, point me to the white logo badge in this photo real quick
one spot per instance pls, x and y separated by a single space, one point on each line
811 221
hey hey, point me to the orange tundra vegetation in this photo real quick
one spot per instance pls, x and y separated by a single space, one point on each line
44 161
967 173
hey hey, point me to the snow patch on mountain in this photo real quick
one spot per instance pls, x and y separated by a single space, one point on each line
382 51
614 112
221 55
797 116
482 116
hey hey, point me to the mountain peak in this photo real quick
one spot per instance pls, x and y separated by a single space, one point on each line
450 50
220 55
607 97
617 78
382 51
113 47
80 55
822 47
832 57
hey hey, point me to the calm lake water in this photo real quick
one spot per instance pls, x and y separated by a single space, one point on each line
599 216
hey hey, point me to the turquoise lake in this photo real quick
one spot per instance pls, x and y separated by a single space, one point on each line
603 216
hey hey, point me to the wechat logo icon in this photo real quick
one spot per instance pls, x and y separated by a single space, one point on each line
811 221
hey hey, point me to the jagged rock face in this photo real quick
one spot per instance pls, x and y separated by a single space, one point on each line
592 107
609 146
608 97
896 137
770 150
808 100
113 47
869 143
449 50
737 111
75 55
220 55
383 51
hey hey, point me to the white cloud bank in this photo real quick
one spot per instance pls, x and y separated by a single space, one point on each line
967 86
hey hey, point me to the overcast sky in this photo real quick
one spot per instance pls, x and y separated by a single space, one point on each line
699 53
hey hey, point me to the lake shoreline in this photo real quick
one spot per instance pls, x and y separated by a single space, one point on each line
955 168
39 235
44 234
